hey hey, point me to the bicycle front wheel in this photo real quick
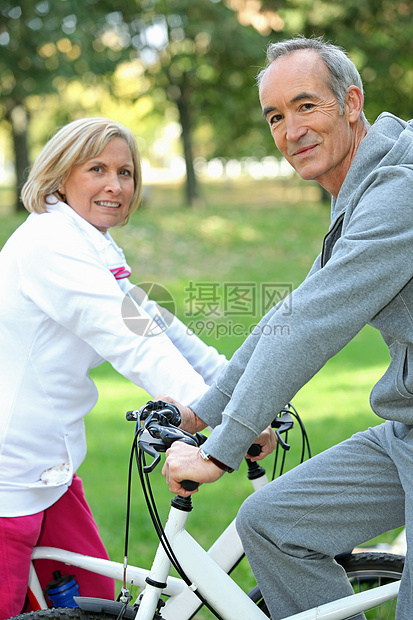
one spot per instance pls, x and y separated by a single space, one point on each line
366 571
74 613
62 613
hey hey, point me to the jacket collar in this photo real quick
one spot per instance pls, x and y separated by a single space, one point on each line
106 247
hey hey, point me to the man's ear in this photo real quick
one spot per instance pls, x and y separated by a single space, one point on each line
354 103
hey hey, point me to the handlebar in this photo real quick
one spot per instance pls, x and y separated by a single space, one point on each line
164 411
157 430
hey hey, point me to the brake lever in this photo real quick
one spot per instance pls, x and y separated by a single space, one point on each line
282 424
167 435
284 446
146 447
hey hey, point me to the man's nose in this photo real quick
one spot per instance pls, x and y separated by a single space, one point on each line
295 128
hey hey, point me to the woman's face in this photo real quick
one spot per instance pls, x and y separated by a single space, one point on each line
100 189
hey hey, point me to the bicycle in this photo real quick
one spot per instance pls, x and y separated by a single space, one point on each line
204 575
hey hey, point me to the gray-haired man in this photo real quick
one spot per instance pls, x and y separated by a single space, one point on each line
311 96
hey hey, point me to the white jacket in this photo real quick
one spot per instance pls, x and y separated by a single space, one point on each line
60 316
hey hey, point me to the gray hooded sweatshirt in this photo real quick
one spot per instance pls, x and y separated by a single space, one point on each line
364 275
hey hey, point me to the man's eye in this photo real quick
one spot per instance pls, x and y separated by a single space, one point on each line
307 106
275 119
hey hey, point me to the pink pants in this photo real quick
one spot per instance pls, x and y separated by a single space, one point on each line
68 524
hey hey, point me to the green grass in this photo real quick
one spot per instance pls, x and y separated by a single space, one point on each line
245 233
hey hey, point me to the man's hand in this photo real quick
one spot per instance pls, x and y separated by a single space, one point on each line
268 442
183 462
189 420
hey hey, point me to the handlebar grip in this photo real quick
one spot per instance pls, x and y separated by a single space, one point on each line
189 485
254 449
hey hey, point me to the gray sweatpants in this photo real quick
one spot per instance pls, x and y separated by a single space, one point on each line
292 528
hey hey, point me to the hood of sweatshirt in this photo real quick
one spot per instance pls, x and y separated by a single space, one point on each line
388 142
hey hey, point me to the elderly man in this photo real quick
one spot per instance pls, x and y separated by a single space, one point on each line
311 96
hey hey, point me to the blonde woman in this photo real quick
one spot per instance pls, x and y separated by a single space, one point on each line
65 282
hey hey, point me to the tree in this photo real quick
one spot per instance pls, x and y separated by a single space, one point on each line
377 34
204 61
196 57
42 43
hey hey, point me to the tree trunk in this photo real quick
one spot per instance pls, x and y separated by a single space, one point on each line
19 120
191 186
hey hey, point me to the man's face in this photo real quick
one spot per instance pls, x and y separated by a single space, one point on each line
305 119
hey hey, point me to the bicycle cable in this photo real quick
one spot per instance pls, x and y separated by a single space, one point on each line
305 442
138 456
153 511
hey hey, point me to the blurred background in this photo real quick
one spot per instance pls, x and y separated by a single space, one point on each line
225 225
181 75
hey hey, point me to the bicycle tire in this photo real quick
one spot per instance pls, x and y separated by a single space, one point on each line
69 613
63 613
367 570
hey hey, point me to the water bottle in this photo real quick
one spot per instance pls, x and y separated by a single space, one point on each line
62 589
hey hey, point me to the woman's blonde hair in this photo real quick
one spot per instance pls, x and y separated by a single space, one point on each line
72 145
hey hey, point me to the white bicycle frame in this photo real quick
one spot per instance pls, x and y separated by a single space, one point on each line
208 573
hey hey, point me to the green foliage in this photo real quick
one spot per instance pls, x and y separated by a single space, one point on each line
198 58
42 46
43 43
378 35
209 61
192 61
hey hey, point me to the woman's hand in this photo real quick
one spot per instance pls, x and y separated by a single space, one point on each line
189 420
268 442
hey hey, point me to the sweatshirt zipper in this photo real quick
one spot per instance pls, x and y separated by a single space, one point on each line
331 238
